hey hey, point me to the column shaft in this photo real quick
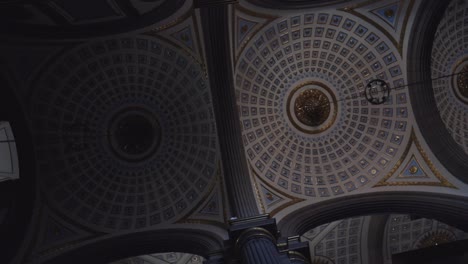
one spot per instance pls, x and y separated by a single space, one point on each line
260 251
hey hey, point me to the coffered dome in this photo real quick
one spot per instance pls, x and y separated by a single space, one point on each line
307 125
450 58
126 133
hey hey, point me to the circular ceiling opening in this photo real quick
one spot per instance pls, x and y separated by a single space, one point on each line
134 134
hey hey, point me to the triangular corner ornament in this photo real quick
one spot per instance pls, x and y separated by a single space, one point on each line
210 210
418 171
269 197
185 37
55 232
389 13
244 27
395 16
412 170
212 207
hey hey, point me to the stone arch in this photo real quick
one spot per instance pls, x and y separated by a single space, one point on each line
426 112
450 209
200 242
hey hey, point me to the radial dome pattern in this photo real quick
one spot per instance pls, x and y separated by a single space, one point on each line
126 133
307 126
450 57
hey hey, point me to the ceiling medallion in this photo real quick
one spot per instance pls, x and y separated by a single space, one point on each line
377 92
134 134
413 169
460 80
312 107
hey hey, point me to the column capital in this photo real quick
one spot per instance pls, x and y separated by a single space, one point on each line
298 251
253 233
238 226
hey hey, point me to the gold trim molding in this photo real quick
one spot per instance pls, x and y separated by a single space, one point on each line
413 139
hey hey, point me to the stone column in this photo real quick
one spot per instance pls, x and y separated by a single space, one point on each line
253 240
257 246
215 21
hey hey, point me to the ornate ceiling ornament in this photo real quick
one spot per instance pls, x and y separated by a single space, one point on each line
377 92
460 80
125 133
312 107
308 129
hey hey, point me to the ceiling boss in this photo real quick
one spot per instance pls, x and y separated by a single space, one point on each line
312 107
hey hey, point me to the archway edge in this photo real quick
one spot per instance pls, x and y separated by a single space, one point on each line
450 209
105 250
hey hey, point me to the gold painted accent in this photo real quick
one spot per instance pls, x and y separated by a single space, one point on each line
257 193
294 200
398 44
312 107
198 35
334 113
389 13
269 196
413 170
413 139
460 81
177 20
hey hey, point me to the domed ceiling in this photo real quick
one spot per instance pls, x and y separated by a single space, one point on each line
309 131
124 133
354 240
125 114
128 121
449 58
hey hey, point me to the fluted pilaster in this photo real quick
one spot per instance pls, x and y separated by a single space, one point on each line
216 34
258 246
